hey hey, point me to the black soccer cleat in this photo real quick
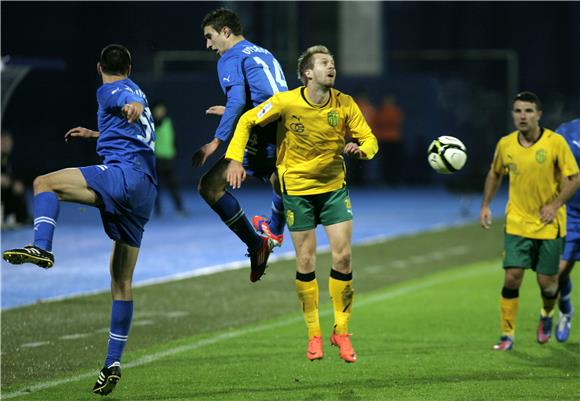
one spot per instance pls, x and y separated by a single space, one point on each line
108 379
29 254
259 259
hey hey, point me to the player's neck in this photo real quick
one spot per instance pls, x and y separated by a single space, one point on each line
530 137
234 40
317 94
107 79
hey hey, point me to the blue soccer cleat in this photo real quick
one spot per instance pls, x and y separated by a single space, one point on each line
544 329
563 327
505 343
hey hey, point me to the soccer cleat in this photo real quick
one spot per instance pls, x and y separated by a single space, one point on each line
342 341
29 254
544 329
315 348
563 327
108 379
262 226
259 259
505 343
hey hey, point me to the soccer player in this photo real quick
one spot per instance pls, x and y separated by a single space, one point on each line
314 120
123 188
248 75
570 131
543 175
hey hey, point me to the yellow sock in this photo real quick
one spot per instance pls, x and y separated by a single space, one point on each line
509 310
548 304
308 298
342 296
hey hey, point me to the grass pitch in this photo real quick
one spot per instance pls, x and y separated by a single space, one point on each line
424 320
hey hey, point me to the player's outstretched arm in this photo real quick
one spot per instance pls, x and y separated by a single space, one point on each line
80 132
235 174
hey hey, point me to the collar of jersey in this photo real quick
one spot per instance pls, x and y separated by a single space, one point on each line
317 106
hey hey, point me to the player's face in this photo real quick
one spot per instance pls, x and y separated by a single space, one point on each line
526 116
323 71
215 40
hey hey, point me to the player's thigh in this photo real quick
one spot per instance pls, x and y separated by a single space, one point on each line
305 248
69 185
301 213
215 177
519 252
549 253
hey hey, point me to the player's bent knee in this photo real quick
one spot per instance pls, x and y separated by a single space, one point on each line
41 184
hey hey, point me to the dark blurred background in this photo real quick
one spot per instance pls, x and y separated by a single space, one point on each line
451 68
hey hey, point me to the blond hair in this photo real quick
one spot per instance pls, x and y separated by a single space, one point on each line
305 61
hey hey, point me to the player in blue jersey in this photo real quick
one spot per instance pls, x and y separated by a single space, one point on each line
248 75
123 188
570 131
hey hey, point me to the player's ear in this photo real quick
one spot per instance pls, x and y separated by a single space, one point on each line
99 69
129 70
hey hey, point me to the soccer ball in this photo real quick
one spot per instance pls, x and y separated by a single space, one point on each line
447 154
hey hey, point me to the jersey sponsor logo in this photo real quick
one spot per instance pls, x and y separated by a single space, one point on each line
266 108
333 118
290 218
297 126
541 156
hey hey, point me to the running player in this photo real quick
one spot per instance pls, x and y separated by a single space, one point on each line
570 131
314 121
123 188
248 75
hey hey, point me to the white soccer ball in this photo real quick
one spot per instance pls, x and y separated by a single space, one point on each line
447 154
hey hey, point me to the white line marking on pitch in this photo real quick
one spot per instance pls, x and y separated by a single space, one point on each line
369 300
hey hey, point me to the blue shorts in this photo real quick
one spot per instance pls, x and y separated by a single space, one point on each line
128 198
572 244
260 154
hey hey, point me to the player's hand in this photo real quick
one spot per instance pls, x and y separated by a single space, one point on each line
485 217
132 111
80 132
199 158
235 174
353 150
548 213
216 110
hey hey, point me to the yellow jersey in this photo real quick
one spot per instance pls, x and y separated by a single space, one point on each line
535 174
310 139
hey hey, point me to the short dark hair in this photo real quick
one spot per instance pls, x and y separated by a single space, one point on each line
528 97
221 17
115 60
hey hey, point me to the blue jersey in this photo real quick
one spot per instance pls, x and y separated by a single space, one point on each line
122 142
249 75
571 131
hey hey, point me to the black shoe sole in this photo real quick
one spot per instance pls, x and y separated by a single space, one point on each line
109 385
18 258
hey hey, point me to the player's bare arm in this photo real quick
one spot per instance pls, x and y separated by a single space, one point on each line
235 174
80 132
200 157
492 184
569 186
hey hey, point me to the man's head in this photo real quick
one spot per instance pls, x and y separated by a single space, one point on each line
221 28
115 60
316 65
526 111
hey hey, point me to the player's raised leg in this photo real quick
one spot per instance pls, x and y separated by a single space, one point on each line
212 188
340 286
122 267
273 226
63 185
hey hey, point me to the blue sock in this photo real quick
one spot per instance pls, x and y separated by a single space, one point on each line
278 219
46 207
231 213
121 316
565 303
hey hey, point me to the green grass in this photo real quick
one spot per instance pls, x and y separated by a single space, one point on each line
422 332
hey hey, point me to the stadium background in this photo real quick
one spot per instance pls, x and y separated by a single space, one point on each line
452 66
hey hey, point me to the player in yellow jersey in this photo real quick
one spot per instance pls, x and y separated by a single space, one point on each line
543 175
313 121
